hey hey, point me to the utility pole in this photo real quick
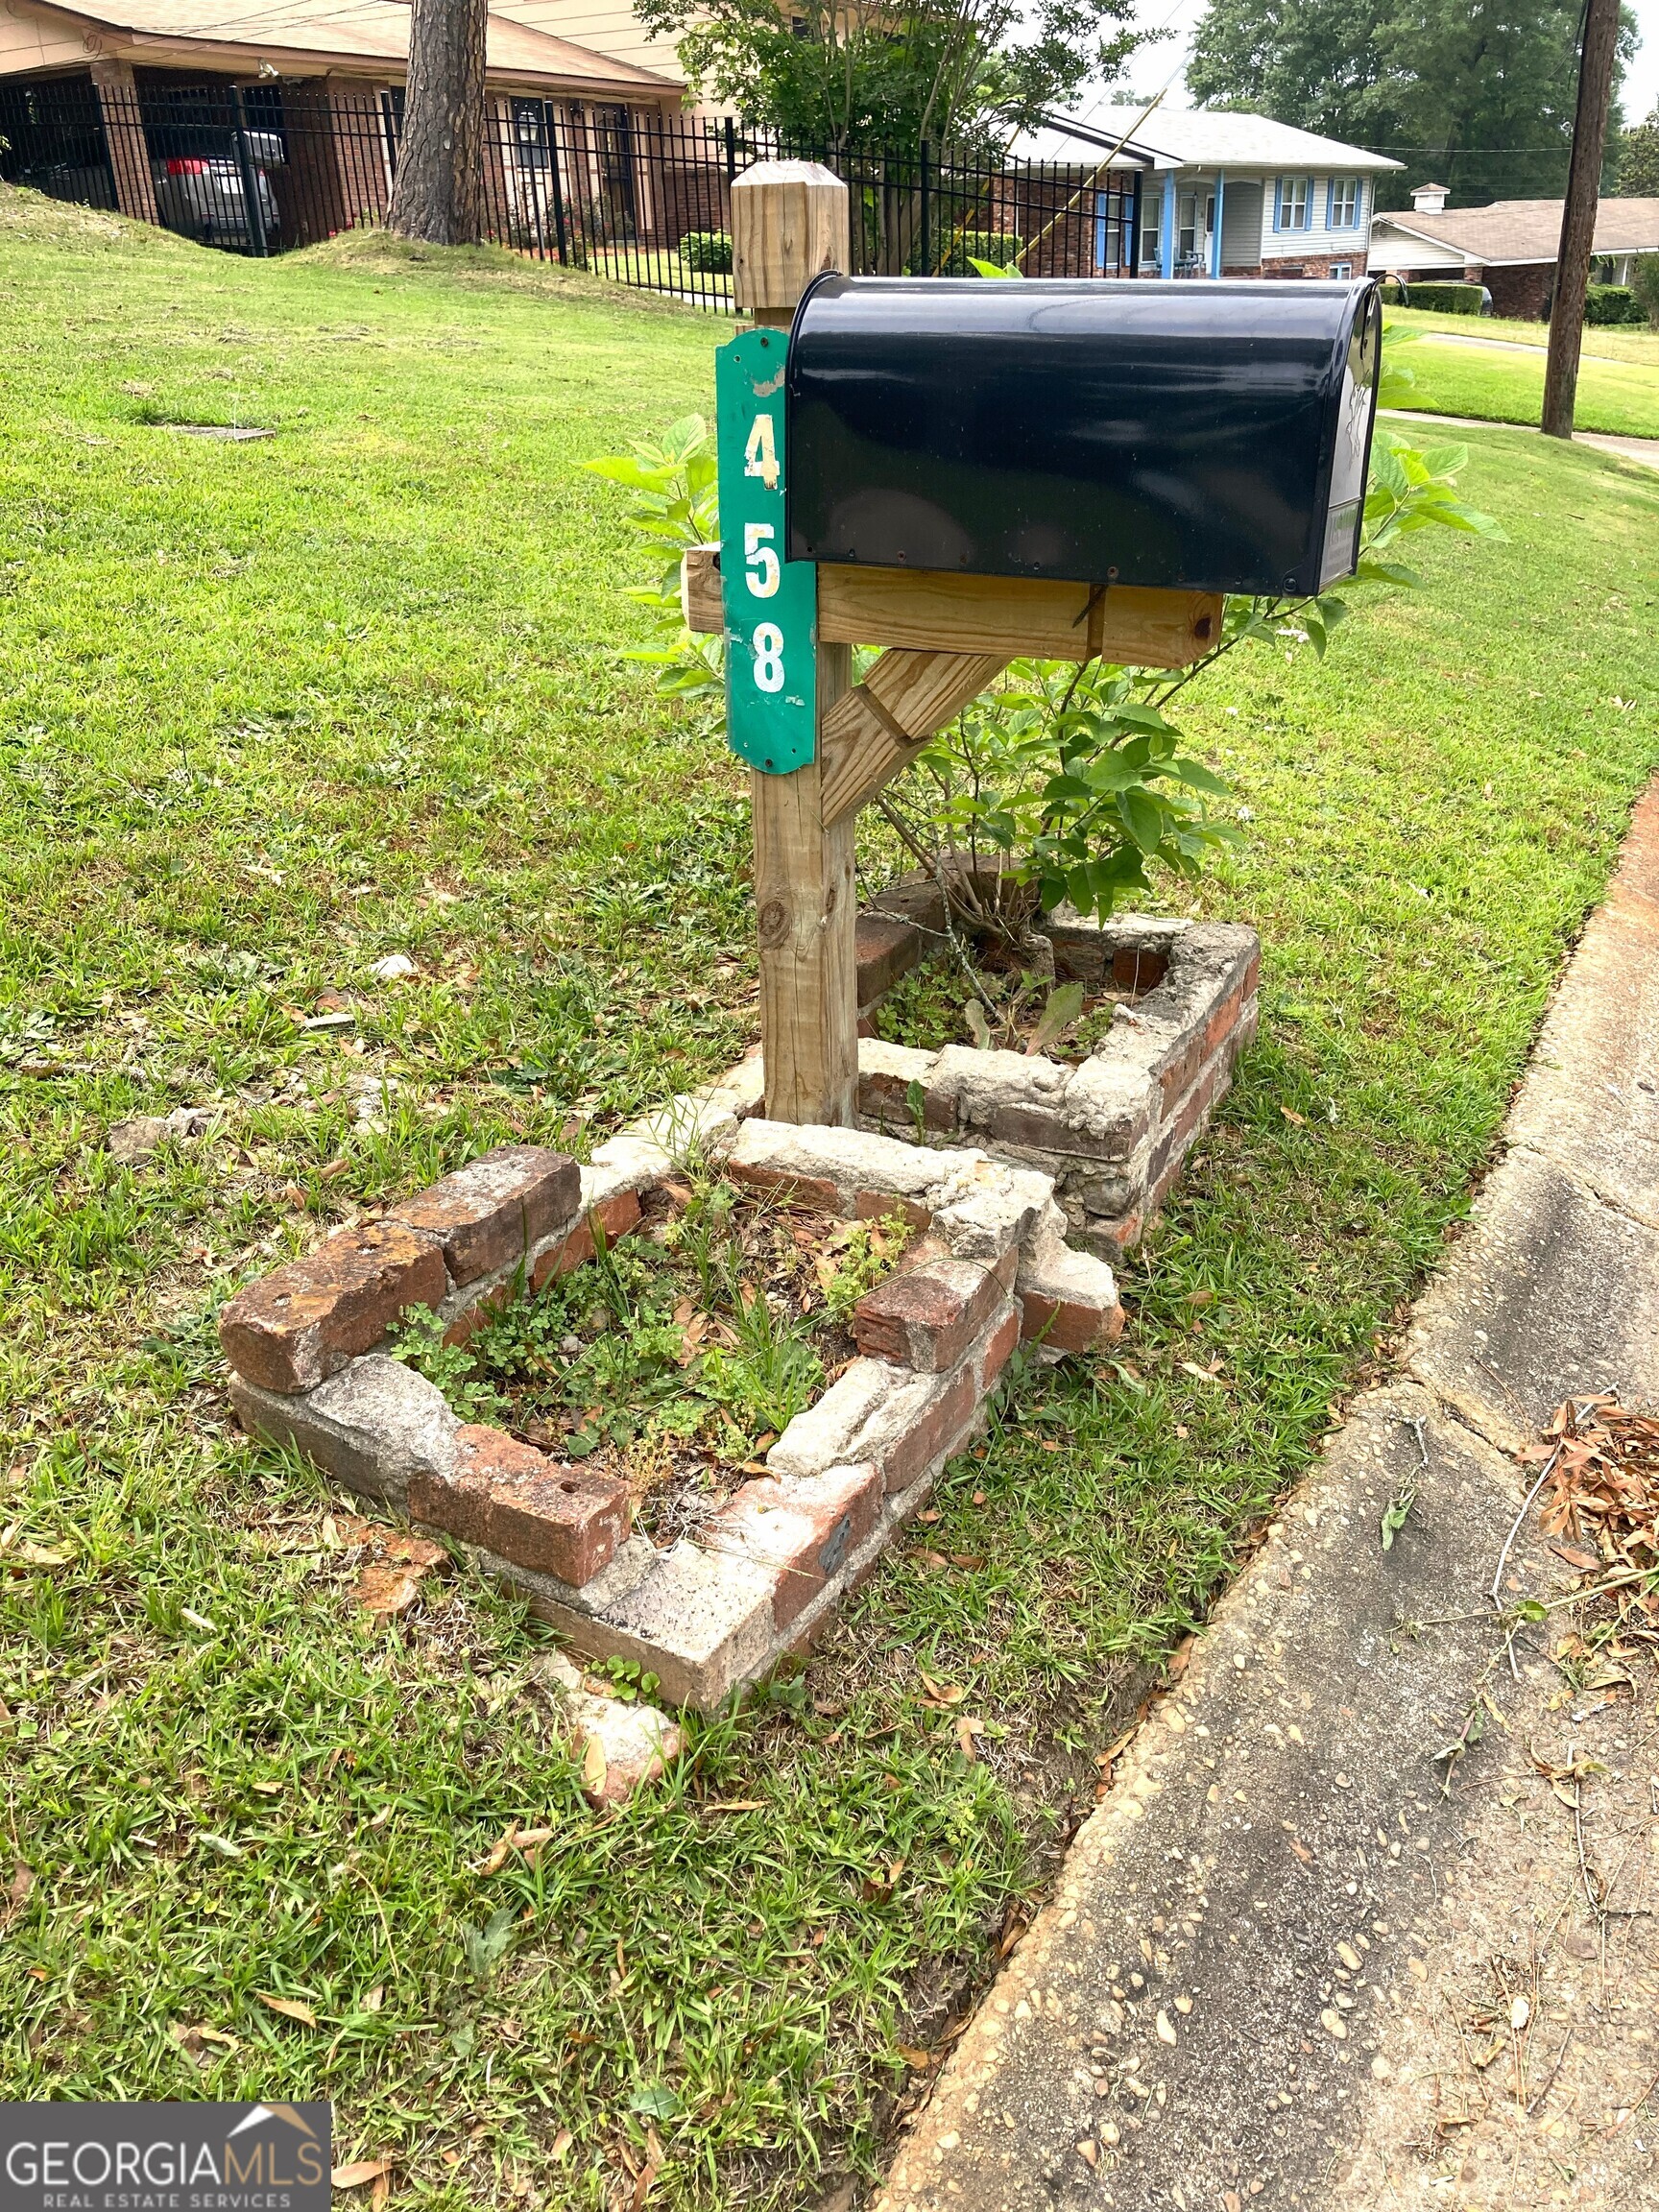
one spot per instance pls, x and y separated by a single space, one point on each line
1596 57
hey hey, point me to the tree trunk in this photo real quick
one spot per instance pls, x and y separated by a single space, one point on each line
1578 214
438 195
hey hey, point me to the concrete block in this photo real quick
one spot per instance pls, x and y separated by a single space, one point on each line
373 1425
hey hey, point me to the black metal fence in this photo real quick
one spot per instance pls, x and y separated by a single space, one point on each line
628 194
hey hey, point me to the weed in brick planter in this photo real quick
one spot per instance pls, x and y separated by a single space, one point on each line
674 1359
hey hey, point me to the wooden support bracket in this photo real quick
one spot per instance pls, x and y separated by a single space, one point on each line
878 727
938 611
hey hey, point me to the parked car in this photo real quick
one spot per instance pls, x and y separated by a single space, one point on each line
202 196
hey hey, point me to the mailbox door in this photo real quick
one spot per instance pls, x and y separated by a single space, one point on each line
1182 435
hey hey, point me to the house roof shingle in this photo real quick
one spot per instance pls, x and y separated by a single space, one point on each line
353 29
1527 230
1199 137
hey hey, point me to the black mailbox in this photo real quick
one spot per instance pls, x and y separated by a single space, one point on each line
1201 435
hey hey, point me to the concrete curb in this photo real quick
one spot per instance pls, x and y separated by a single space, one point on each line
1236 1996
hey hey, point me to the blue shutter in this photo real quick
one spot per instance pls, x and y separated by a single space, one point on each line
1330 202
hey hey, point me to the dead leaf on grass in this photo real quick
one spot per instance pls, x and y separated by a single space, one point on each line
595 1766
290 2009
358 2172
562 2143
384 1591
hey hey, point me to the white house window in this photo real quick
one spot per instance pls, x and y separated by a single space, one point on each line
1342 268
1149 236
1344 203
1294 194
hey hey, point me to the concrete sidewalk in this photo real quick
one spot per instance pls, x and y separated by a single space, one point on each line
1642 450
1301 1955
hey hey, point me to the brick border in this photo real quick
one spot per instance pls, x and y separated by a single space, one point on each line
711 1613
1112 1133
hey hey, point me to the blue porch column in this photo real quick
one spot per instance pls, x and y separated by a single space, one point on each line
1166 232
1220 206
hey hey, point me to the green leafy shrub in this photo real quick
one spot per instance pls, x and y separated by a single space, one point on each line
709 250
1645 284
1000 247
1074 773
675 505
1611 304
1449 299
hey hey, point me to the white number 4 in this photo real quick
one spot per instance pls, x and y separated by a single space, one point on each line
760 561
760 454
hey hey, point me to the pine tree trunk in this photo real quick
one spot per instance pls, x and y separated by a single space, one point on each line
438 195
1578 215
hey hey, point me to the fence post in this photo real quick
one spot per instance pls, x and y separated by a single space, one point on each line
925 268
252 210
554 186
789 222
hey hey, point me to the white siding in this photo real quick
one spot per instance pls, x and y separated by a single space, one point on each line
607 26
1318 240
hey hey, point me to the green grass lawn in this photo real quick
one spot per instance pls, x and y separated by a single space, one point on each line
1616 394
1612 342
270 710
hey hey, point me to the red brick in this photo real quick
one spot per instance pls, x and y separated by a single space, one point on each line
805 1528
1225 1020
926 1317
488 1214
614 1217
465 1326
1174 1140
1068 1324
889 947
814 1190
1137 969
306 1320
1175 1074
937 1432
886 1098
998 1350
883 1205
527 1508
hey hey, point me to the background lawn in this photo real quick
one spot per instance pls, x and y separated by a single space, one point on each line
270 710
1614 342
1619 394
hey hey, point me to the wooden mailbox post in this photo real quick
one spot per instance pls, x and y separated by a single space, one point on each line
820 747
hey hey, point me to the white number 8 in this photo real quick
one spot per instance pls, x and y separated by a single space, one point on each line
768 658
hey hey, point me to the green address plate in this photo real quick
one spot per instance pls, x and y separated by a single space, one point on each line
771 604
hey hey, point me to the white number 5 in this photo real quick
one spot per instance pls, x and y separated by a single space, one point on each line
768 656
760 560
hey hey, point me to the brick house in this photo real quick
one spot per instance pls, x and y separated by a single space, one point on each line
1227 194
1510 246
129 103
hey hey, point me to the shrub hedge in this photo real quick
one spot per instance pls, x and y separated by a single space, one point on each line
999 246
709 250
